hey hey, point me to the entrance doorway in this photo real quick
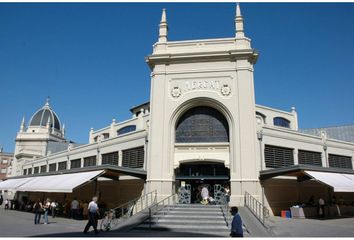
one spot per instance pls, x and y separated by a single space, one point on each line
192 177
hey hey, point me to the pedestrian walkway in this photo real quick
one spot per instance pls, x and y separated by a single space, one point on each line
291 227
21 224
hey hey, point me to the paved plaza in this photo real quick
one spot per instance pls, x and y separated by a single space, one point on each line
21 224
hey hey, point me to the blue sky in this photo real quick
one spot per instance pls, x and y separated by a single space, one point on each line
89 58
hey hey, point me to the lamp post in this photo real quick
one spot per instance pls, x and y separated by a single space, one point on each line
260 139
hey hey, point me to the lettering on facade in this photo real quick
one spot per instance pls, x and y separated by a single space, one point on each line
202 84
194 85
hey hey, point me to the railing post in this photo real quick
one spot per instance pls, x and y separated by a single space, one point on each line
150 218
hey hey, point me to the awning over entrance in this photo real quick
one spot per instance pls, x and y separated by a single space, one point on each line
12 184
339 181
58 183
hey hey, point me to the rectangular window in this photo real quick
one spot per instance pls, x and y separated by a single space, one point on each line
110 158
3 170
133 158
310 158
36 170
277 157
29 171
76 163
52 167
24 171
90 161
43 168
62 166
4 161
339 161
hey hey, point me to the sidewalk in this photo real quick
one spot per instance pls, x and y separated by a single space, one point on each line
21 224
291 227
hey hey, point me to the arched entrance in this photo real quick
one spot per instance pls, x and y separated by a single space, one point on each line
202 147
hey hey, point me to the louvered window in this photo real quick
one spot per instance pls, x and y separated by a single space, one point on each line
339 161
76 163
277 157
133 158
310 158
36 170
43 168
110 158
52 167
90 161
62 166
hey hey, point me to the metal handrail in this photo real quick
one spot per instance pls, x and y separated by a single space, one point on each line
136 205
257 208
161 205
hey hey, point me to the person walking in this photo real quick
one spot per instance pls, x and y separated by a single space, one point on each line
74 208
93 215
205 195
236 225
321 207
37 211
7 204
53 207
46 210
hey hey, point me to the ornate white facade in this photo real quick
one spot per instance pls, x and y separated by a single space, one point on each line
215 78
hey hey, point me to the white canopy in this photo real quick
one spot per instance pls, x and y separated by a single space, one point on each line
12 184
339 181
55 183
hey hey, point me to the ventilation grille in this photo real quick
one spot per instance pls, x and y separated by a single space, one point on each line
277 157
310 158
133 158
90 161
339 161
110 158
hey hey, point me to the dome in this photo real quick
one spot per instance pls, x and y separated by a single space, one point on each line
43 116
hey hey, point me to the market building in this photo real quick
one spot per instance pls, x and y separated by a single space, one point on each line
201 126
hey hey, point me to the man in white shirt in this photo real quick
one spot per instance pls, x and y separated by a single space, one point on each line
93 215
74 208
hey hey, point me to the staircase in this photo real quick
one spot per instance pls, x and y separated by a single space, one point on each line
187 220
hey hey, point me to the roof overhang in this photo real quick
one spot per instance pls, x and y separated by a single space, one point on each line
67 181
299 171
111 171
340 180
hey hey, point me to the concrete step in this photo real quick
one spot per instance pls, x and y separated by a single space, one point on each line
195 222
197 206
190 218
199 228
196 209
190 213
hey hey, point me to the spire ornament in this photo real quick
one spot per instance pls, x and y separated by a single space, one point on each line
163 28
23 126
239 23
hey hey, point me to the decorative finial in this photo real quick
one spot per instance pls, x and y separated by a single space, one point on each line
63 130
22 127
163 28
47 101
239 23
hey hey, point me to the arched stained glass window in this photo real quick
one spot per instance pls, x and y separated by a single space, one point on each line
202 124
281 122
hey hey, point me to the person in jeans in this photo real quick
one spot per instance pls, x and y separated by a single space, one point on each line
93 215
37 211
46 210
236 225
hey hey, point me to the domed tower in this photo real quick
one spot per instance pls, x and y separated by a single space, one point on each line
32 142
